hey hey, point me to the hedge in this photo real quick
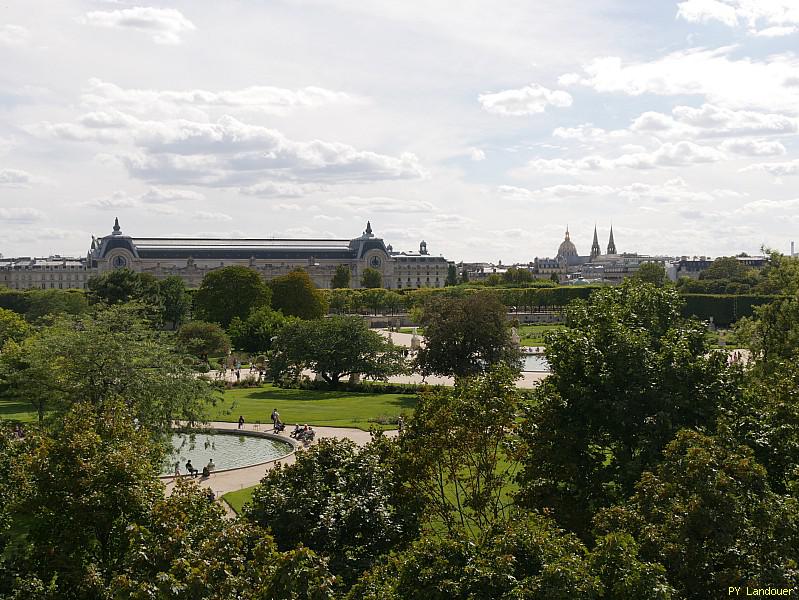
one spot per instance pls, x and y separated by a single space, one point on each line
724 309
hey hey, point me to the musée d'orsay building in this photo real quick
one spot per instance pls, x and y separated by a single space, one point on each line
192 258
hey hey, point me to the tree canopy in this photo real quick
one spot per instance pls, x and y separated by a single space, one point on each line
124 285
203 339
371 278
230 292
465 336
341 278
295 295
626 373
336 347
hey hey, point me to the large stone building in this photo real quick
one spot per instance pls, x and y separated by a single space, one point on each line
192 258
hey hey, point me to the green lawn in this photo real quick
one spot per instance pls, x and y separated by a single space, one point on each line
237 499
315 407
533 335
12 410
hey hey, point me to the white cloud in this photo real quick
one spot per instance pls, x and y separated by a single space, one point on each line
761 17
710 120
203 215
529 100
14 35
382 204
476 154
707 10
768 206
164 25
15 178
681 154
754 147
159 195
155 199
777 169
103 95
228 152
21 215
279 189
742 83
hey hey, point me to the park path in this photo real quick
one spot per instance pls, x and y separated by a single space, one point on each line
229 481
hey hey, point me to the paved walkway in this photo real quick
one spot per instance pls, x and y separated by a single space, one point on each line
228 481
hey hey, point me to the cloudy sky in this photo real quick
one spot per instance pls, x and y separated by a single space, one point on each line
482 127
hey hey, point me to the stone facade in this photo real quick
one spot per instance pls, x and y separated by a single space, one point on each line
191 259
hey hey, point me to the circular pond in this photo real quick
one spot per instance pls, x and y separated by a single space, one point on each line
228 450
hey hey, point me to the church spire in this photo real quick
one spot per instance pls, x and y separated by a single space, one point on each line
595 250
611 243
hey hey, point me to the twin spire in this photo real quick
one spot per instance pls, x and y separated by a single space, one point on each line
595 249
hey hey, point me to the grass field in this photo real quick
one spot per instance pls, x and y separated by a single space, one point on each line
236 500
533 335
315 407
11 410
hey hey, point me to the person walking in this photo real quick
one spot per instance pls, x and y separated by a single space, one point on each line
241 421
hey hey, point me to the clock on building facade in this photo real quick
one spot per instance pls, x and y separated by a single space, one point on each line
119 262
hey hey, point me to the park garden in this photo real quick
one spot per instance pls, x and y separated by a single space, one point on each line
647 465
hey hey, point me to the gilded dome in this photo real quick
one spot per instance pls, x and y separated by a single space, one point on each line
566 247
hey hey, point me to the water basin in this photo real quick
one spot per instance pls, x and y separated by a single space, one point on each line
535 363
229 450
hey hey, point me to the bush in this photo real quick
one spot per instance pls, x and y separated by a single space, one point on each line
724 309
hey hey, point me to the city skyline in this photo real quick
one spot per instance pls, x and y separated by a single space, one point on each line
483 130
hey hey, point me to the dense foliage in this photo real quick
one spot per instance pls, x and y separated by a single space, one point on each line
466 336
335 347
296 295
230 292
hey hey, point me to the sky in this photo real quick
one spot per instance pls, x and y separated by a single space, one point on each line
484 128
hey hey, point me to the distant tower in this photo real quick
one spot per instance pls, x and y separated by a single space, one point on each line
595 251
566 250
611 243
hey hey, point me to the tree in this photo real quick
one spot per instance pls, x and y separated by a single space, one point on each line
626 373
202 339
708 515
175 300
772 334
465 336
112 355
516 275
341 278
464 276
255 333
336 347
230 292
124 285
295 295
781 275
653 273
526 557
347 505
554 278
84 482
185 548
464 476
452 275
55 302
726 267
371 278
12 327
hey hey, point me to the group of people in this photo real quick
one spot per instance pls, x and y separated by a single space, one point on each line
303 434
193 471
